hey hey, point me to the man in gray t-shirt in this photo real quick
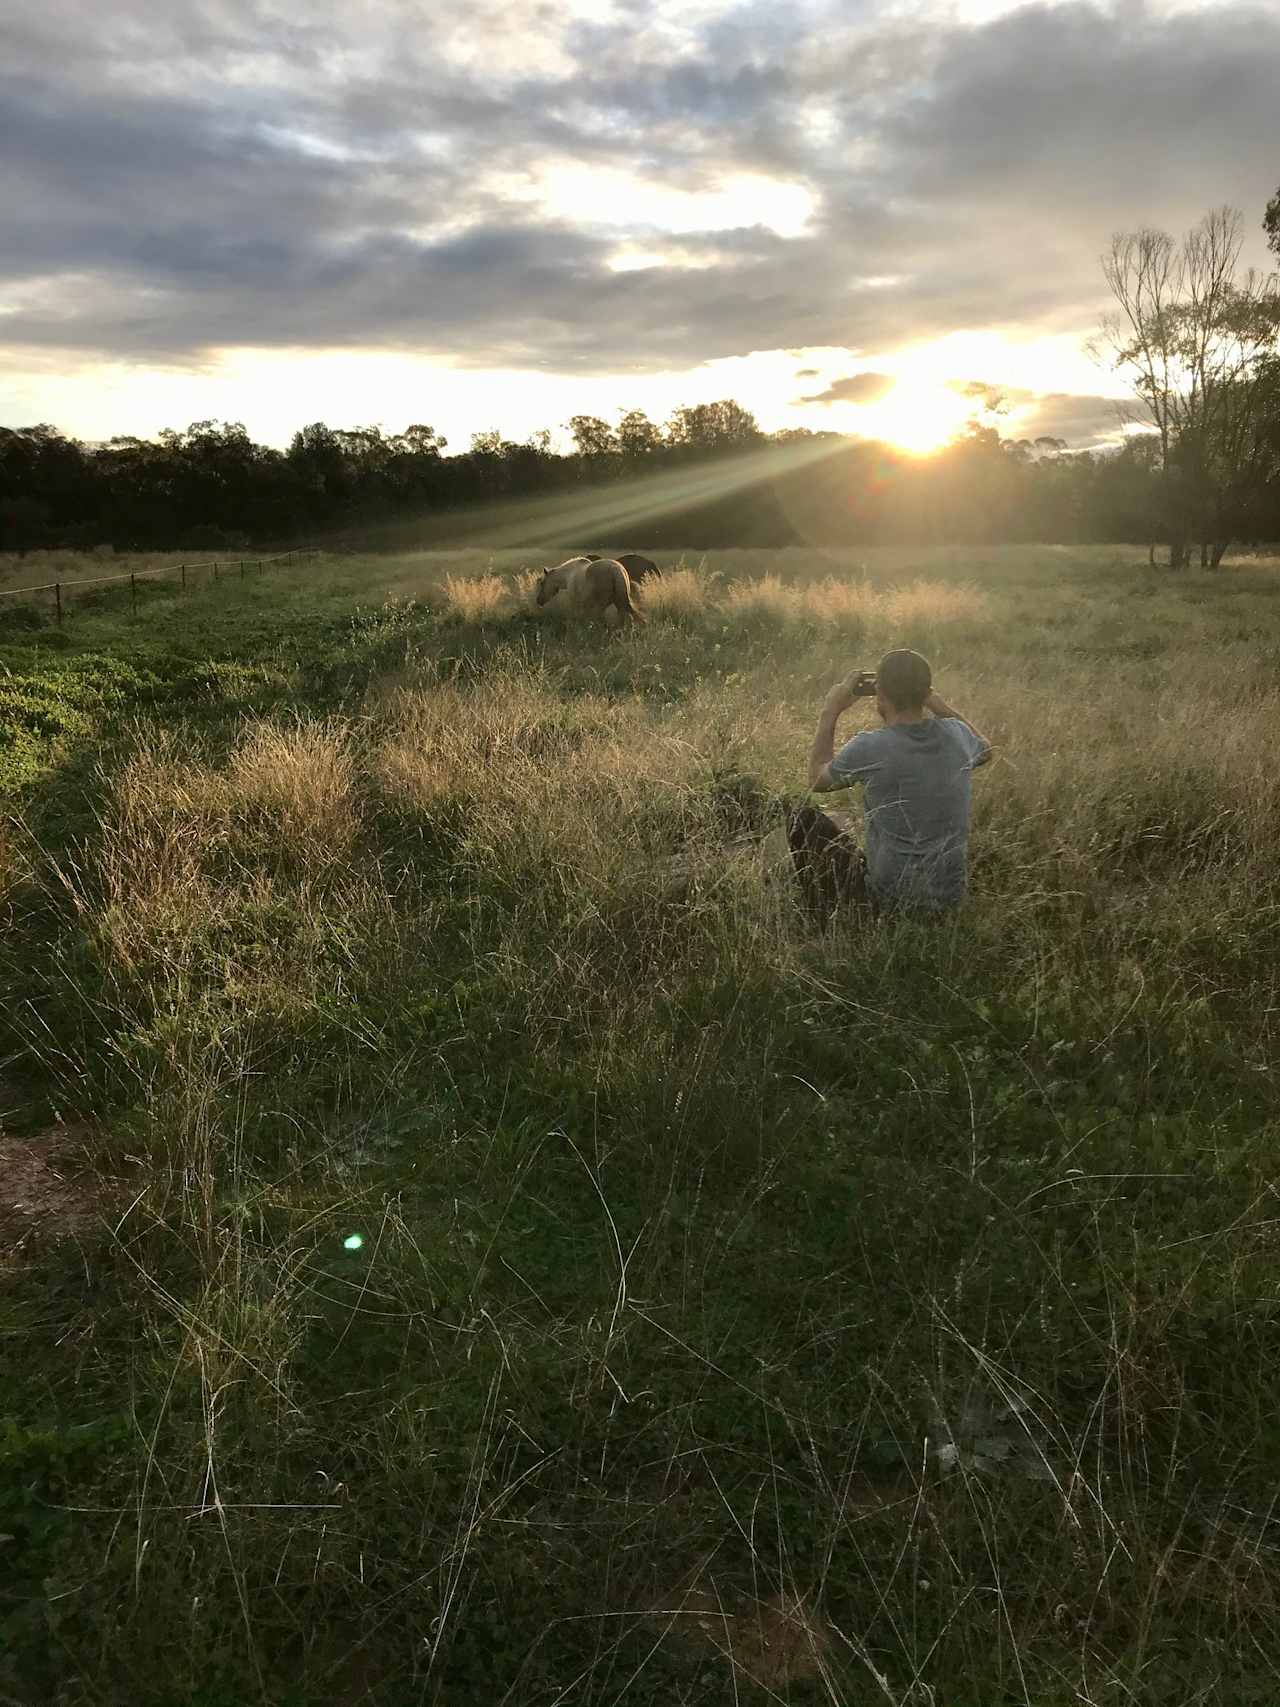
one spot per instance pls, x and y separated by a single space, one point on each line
915 774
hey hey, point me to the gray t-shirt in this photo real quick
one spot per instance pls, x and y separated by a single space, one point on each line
916 806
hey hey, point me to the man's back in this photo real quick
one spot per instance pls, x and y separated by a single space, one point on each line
917 791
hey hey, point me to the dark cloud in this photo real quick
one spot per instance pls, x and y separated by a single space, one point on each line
1084 422
218 172
855 388
807 373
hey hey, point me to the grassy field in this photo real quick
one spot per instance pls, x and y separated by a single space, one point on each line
463 1239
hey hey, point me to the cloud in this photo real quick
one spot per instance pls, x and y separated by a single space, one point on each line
854 388
238 174
807 373
1084 422
987 392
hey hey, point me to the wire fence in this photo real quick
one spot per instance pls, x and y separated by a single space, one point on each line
64 593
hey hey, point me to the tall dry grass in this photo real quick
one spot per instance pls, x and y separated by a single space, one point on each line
475 598
852 603
233 883
681 593
297 786
535 788
934 601
878 1310
285 790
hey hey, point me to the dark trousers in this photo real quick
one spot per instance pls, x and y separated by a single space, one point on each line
830 865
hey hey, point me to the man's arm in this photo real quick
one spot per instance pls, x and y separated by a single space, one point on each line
939 707
823 750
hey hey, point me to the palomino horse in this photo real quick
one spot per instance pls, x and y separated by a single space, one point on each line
638 568
588 587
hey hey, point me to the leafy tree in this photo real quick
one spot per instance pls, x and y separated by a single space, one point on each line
1125 498
592 437
713 427
419 440
638 437
1194 341
318 457
414 473
42 474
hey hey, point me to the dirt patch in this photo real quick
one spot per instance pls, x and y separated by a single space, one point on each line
46 1191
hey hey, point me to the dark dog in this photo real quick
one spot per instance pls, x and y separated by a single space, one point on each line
830 865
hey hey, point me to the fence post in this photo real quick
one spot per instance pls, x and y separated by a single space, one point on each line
133 591
57 599
183 568
242 568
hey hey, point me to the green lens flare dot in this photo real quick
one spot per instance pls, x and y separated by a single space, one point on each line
353 1242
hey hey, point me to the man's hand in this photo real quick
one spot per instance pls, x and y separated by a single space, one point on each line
840 698
860 685
939 707
837 702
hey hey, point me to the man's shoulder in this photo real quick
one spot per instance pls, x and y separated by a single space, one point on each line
870 747
888 748
861 755
957 731
873 740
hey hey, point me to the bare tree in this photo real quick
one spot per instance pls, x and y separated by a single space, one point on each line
1195 342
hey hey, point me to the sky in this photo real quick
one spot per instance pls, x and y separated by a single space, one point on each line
846 214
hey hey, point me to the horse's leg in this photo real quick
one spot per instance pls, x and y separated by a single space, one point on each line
612 617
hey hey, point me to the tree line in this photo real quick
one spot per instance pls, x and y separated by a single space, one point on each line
211 487
1197 341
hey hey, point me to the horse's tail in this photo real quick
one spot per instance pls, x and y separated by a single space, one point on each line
622 600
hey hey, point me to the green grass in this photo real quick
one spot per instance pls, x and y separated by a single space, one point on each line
741 1314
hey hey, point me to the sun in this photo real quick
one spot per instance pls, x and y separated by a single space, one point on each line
918 416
